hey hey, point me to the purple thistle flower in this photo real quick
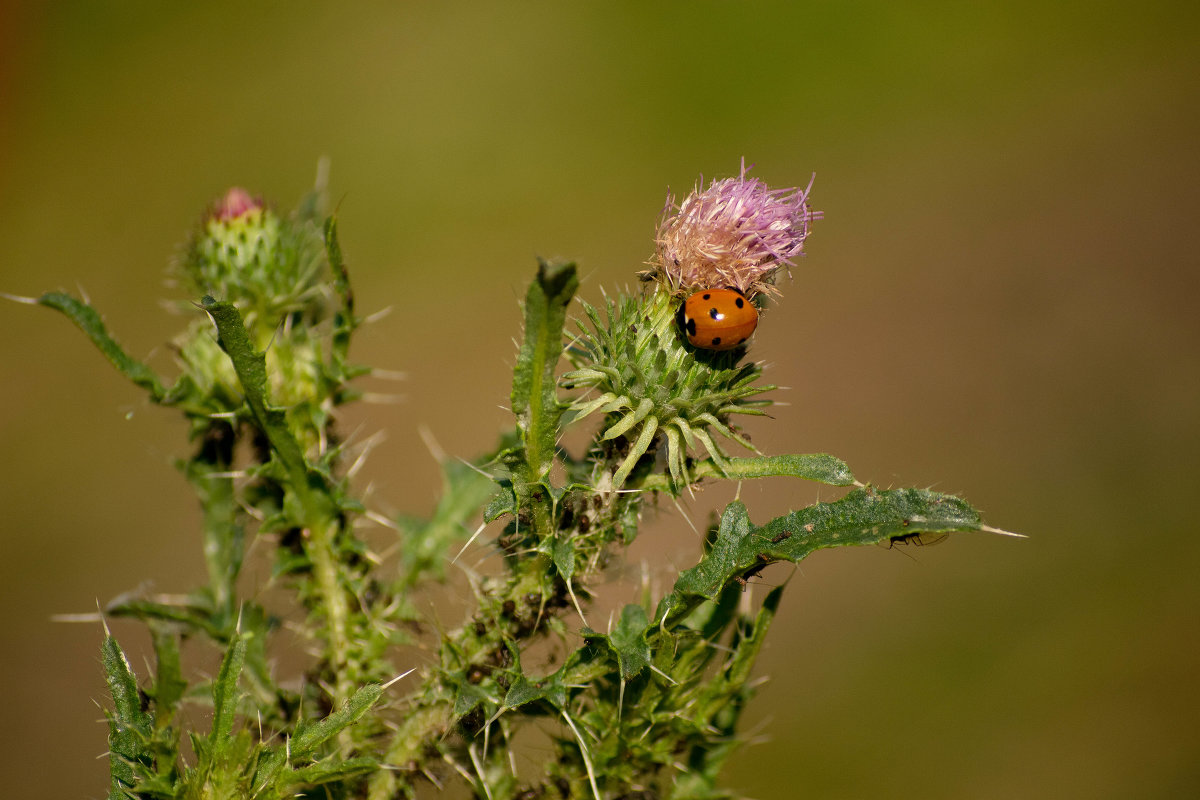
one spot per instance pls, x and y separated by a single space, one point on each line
736 233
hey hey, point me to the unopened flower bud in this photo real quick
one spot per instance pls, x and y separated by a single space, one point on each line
267 265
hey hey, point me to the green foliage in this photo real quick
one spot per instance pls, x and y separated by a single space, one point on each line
464 489
648 708
230 761
534 401
864 516
129 726
627 643
87 319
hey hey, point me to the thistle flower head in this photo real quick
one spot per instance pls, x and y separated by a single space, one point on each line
737 233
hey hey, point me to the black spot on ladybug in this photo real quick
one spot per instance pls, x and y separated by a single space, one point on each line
716 340
712 312
707 296
739 302
691 327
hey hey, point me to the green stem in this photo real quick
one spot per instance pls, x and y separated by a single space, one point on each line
222 543
327 572
209 473
313 510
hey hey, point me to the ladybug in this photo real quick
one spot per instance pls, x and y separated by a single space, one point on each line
718 319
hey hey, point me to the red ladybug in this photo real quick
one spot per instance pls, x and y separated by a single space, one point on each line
718 319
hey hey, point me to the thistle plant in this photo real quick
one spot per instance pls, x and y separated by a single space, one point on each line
647 708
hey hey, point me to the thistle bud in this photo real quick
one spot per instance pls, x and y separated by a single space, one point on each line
276 271
649 385
737 233
269 266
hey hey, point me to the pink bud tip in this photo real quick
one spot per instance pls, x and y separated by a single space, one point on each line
236 202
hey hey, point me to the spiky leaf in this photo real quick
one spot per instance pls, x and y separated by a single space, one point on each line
225 695
628 641
864 516
534 399
251 370
130 757
88 320
307 741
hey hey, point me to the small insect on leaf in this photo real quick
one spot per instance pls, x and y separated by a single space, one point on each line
755 571
916 540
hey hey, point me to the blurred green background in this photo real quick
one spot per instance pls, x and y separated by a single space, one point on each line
1001 302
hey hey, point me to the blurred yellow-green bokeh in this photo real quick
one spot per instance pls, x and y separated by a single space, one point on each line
1002 302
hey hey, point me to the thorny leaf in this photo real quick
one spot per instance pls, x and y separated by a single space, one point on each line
88 320
129 725
534 398
628 640
225 695
863 516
